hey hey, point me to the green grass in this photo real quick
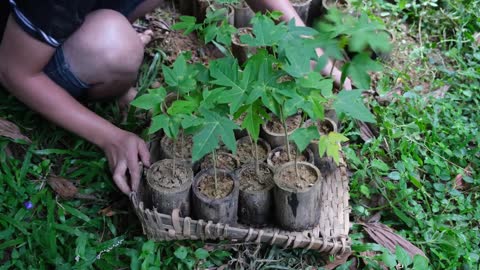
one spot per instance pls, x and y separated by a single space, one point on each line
407 174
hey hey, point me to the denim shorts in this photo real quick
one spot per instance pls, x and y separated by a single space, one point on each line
60 72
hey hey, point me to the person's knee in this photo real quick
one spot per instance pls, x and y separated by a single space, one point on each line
109 46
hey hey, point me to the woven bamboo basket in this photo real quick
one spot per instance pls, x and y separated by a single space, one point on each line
329 237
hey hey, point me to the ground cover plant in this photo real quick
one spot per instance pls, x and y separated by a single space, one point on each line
420 171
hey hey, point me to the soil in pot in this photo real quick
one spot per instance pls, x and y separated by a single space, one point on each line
218 204
168 189
297 196
183 147
225 161
255 200
224 187
246 150
273 131
279 156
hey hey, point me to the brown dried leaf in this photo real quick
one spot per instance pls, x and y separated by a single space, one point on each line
339 260
390 97
107 211
459 183
365 132
386 237
477 38
439 93
63 187
10 130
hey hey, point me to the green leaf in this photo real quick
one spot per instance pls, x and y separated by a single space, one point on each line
265 32
253 120
303 136
201 254
298 62
358 70
402 256
76 213
394 175
382 166
420 262
181 76
181 253
215 127
389 259
225 72
187 23
330 145
148 101
314 80
351 103
368 34
183 106
170 125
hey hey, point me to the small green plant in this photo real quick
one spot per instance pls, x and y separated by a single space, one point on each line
215 28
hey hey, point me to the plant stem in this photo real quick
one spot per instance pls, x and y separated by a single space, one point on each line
214 156
296 164
174 154
333 66
257 167
182 138
284 123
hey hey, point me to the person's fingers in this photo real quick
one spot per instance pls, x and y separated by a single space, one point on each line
134 171
144 154
120 177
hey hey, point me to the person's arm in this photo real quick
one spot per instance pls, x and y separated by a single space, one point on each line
21 72
289 13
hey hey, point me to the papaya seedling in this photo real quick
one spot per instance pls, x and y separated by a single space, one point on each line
215 28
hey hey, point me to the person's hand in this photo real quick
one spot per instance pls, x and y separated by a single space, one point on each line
124 151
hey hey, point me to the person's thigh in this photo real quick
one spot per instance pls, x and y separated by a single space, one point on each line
104 54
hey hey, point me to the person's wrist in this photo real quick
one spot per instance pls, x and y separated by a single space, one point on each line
109 137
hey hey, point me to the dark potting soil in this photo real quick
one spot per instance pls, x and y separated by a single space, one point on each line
307 176
207 186
183 149
275 125
281 157
324 127
161 174
246 152
224 161
250 181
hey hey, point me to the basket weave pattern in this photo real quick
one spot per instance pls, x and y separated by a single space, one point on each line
330 236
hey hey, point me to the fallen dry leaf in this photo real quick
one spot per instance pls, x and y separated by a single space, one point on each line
10 130
459 183
63 187
365 132
390 97
339 260
439 93
386 237
107 211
